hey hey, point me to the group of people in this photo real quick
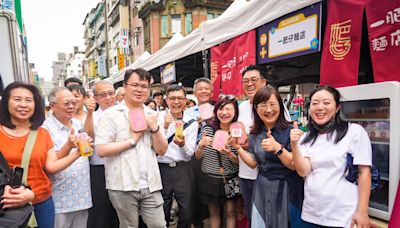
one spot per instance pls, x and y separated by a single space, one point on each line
287 177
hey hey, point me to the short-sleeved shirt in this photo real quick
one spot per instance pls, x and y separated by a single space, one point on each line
247 118
136 167
174 152
71 186
12 149
268 161
269 164
330 199
95 159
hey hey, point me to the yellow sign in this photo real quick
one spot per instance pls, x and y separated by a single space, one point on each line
263 52
121 61
340 41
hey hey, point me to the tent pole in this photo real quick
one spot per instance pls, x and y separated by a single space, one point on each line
206 65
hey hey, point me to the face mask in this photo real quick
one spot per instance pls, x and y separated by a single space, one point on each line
325 128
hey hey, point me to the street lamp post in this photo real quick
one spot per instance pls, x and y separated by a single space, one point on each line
106 38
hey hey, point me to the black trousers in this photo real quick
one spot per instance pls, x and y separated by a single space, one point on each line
178 181
200 210
102 214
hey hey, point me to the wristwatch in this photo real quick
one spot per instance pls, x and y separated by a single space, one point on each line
280 151
133 143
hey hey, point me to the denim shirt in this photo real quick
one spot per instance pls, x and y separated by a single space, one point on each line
267 161
270 166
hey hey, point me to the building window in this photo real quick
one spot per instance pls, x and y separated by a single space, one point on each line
210 16
136 39
188 23
175 24
164 26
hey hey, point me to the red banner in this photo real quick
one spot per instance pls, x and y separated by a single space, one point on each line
234 56
383 21
341 47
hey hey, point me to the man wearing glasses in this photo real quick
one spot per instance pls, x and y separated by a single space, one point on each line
132 174
253 80
102 214
71 187
175 167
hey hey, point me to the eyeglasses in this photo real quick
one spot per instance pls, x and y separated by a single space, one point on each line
104 94
264 106
227 96
252 80
68 103
136 86
176 98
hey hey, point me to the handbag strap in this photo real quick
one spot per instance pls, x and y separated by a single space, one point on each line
26 156
221 166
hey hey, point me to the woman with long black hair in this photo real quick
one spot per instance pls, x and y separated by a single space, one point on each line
320 156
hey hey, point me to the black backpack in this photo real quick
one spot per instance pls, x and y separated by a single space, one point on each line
15 217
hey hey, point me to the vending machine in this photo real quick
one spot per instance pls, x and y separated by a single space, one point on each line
376 107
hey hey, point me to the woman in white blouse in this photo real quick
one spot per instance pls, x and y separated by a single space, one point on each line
320 157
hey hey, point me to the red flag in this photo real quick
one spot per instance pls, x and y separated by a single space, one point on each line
395 217
383 21
341 48
229 60
237 54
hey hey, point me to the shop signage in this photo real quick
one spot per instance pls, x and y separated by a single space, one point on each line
384 39
168 73
292 35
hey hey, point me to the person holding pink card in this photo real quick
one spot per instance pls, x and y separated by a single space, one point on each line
219 166
133 177
278 190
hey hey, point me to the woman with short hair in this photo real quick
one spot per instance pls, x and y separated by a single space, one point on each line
22 111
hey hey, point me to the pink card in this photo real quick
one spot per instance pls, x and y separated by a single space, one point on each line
238 130
206 111
220 139
137 120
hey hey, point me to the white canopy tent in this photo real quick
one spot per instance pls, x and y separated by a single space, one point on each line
240 17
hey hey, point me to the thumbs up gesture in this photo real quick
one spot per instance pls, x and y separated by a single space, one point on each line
270 144
72 139
90 103
168 118
295 133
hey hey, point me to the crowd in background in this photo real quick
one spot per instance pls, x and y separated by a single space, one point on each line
286 177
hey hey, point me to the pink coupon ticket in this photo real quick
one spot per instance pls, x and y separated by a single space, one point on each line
237 130
206 111
220 139
137 120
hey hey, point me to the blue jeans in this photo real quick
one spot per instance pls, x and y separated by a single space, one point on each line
44 213
296 221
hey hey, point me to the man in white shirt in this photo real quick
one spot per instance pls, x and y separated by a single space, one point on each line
175 168
71 187
202 90
253 80
132 174
102 214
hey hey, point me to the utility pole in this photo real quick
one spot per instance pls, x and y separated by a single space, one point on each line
106 37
